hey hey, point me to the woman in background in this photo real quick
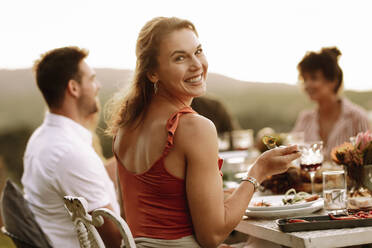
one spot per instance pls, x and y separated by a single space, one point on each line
335 119
167 154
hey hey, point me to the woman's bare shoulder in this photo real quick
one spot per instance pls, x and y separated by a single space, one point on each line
196 137
195 131
195 123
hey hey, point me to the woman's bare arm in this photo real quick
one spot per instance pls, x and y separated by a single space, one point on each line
213 216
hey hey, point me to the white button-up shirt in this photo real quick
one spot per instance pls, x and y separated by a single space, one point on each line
59 161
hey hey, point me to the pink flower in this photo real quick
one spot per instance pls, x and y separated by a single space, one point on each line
363 140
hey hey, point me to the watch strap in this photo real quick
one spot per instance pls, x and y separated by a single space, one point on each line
251 180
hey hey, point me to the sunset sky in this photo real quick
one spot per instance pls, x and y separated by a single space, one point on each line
252 40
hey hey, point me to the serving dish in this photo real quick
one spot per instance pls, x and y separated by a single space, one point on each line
320 222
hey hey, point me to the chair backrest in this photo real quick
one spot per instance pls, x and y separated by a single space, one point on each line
17 241
19 221
85 224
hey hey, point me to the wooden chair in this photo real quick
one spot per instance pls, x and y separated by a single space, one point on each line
18 242
19 221
86 224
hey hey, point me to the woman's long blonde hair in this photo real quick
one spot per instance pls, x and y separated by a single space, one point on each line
124 109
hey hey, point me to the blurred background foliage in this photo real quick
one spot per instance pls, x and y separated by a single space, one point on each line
253 105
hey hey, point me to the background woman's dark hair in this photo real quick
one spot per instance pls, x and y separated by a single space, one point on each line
53 71
125 108
326 61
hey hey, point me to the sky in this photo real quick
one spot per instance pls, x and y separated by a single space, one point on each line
250 40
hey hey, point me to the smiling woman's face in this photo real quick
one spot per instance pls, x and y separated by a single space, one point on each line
317 86
182 66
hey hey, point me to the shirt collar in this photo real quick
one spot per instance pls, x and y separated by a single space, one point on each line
70 125
346 108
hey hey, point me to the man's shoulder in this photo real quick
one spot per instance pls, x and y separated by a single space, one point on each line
54 145
49 138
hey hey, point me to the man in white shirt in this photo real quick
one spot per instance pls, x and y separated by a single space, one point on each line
59 158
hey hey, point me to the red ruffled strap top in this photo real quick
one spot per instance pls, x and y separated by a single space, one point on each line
155 201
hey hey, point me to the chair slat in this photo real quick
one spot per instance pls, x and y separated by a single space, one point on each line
85 224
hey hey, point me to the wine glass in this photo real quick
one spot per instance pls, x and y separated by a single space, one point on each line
242 139
311 159
295 138
224 142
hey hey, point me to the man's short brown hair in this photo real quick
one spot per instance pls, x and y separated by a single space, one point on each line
53 71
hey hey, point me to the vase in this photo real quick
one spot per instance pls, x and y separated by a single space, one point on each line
354 177
367 177
360 188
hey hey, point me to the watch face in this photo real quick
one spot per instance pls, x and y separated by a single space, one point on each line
251 180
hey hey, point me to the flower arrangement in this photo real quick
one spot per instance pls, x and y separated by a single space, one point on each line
354 155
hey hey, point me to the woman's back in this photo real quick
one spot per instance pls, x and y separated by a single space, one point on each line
152 178
140 147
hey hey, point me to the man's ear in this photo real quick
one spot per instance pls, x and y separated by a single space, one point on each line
152 76
73 88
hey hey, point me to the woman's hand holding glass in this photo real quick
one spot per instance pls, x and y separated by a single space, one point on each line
274 161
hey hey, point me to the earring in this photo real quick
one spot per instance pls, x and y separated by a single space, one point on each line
156 87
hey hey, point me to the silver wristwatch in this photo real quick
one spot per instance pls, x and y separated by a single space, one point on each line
251 180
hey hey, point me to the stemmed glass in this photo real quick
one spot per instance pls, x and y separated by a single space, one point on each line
311 159
242 139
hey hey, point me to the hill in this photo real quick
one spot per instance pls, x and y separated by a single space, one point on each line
255 105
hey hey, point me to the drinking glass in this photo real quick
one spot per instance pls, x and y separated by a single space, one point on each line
242 139
224 141
311 159
295 138
234 167
334 191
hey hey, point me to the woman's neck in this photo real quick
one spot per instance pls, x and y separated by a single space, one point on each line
164 97
329 105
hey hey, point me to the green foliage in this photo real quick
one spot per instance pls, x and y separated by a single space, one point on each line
6 242
12 146
368 154
106 141
279 140
253 105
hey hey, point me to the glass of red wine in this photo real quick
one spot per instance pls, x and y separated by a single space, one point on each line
311 159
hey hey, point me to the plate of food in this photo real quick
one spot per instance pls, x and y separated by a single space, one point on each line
290 200
313 207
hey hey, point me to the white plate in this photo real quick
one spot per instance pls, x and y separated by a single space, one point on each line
286 212
276 203
232 154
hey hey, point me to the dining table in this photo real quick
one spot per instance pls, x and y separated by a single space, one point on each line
263 225
268 229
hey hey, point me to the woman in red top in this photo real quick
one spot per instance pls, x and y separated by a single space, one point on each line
168 154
